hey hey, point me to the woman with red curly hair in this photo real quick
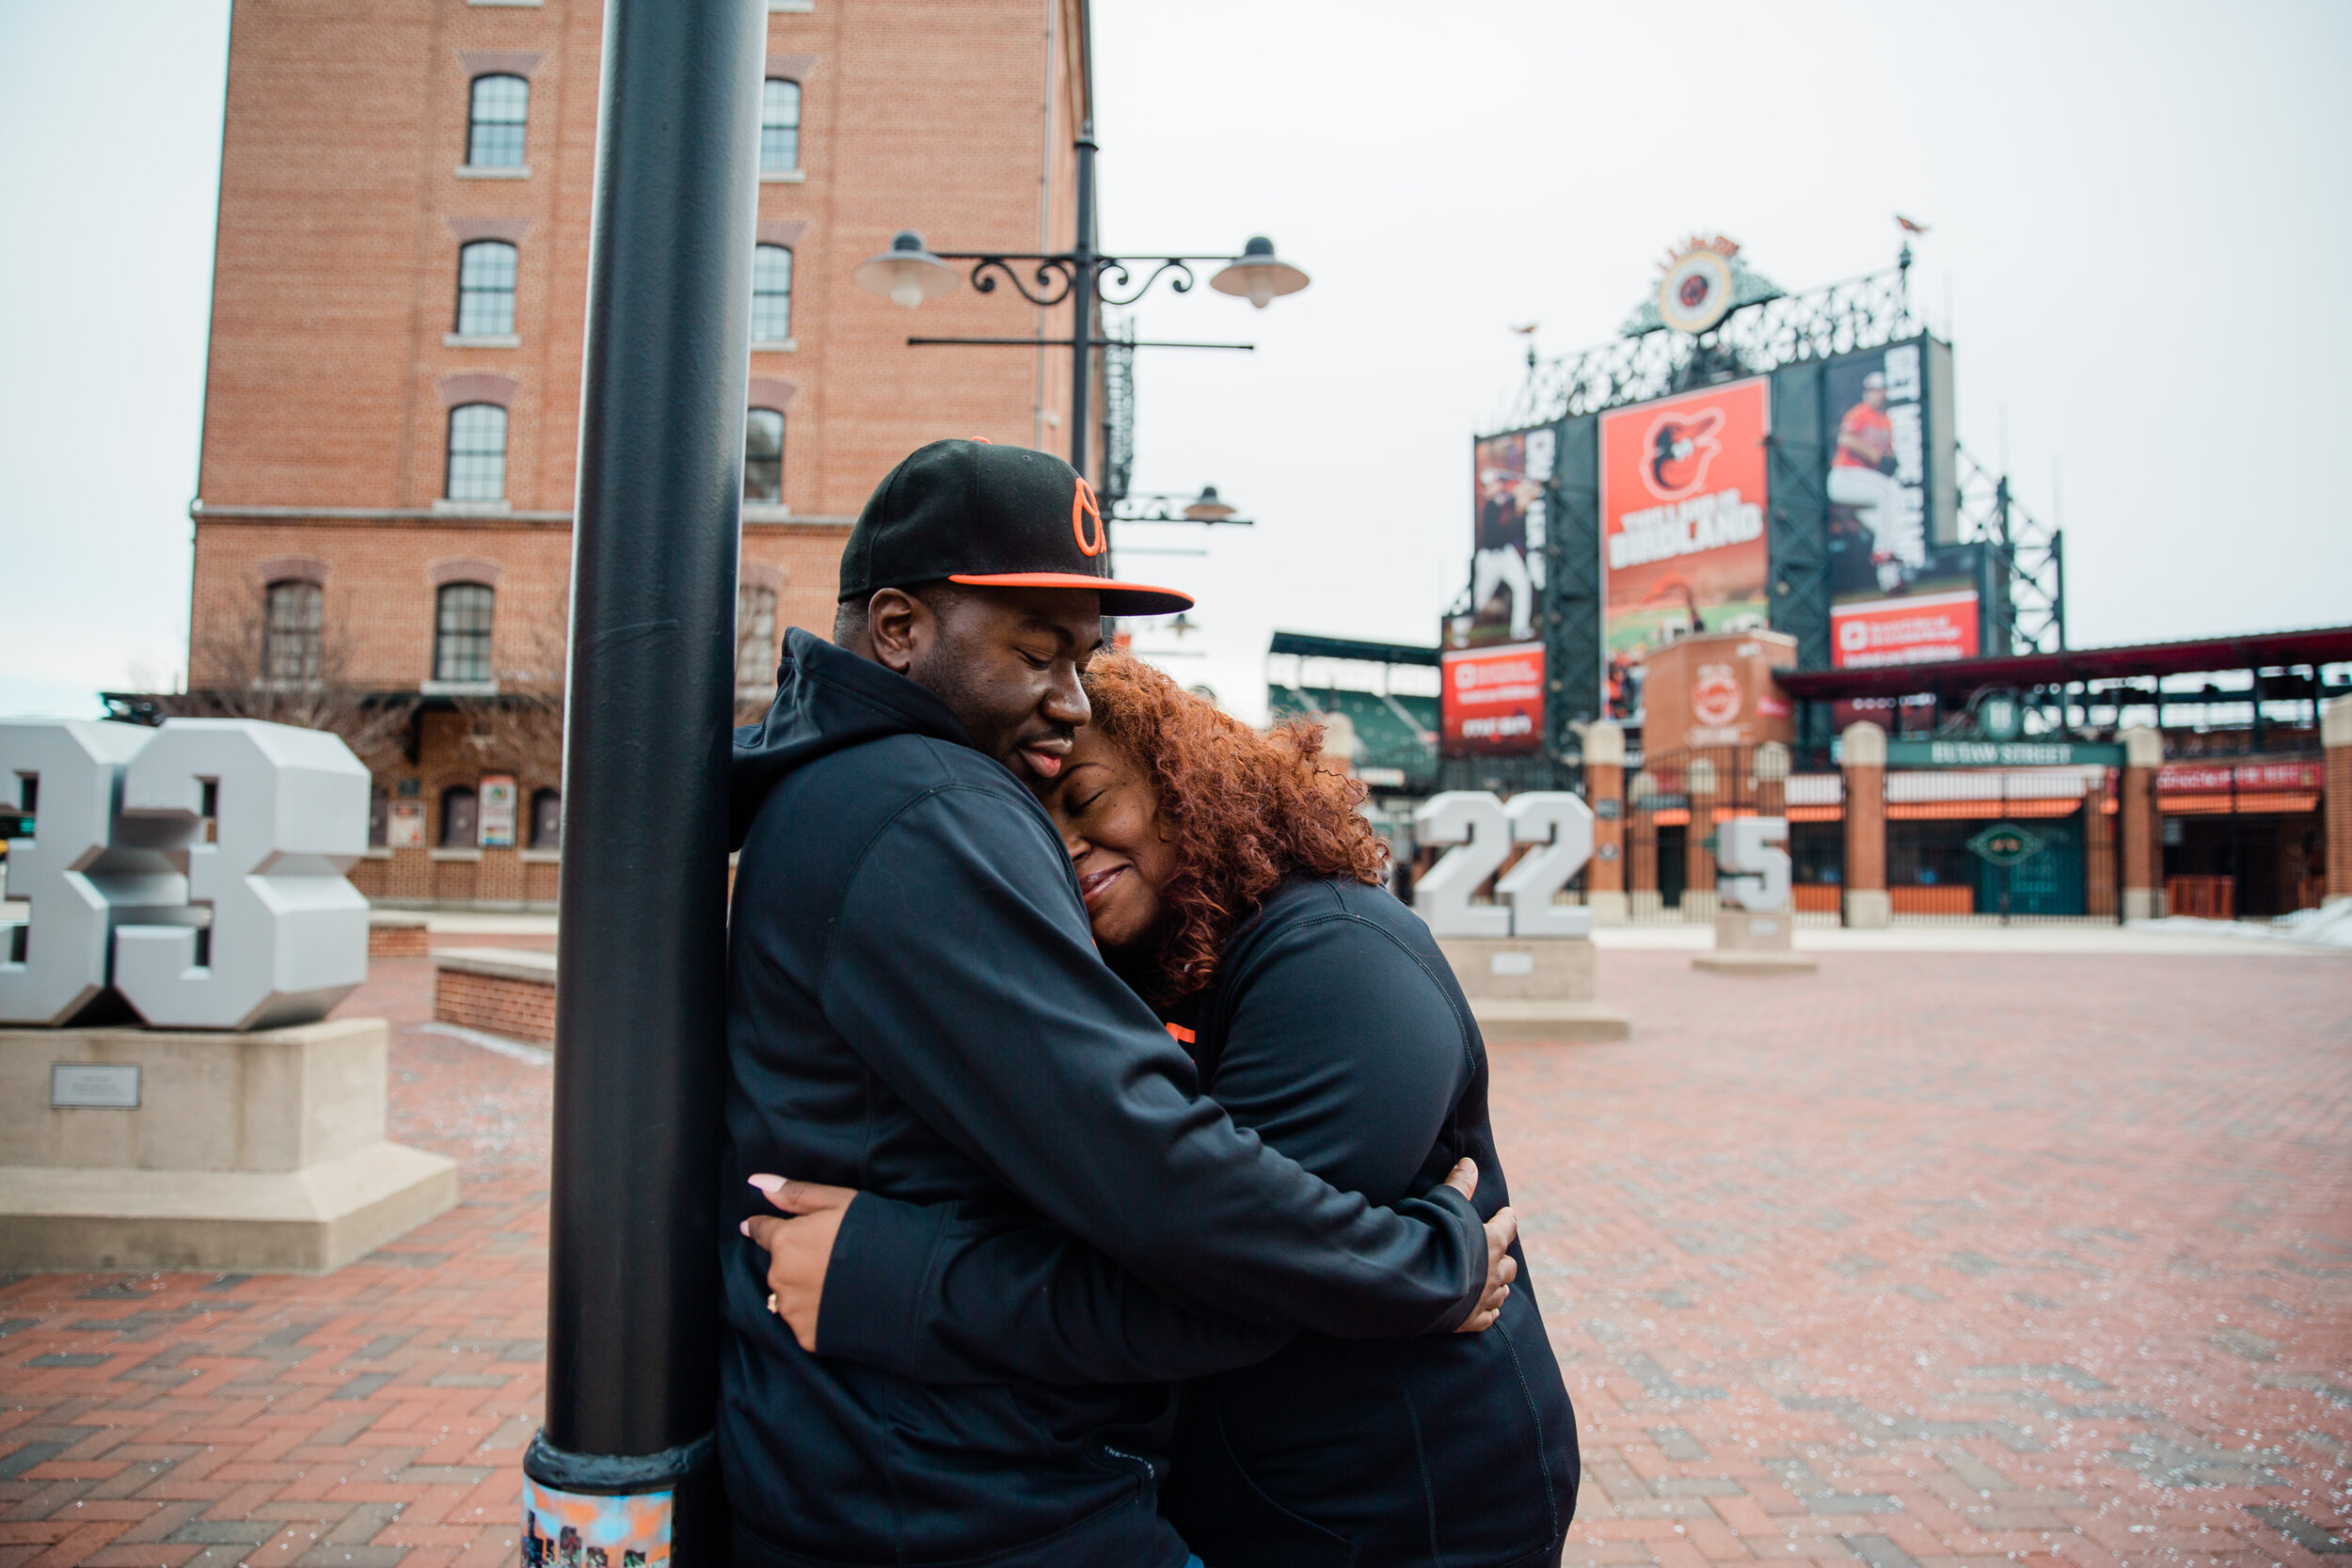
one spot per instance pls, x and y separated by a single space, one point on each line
1229 878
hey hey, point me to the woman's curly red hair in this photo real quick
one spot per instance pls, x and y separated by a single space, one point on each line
1243 810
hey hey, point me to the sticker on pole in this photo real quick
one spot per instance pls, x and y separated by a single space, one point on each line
2005 844
568 1529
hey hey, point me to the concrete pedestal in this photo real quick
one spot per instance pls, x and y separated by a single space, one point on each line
1533 990
1751 944
236 1152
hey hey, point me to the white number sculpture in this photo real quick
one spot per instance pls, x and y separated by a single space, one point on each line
214 861
1473 822
75 878
1754 874
1483 832
1562 823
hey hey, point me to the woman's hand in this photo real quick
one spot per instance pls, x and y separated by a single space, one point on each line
1500 1268
800 1247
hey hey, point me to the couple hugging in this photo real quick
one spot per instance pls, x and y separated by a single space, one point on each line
1109 1149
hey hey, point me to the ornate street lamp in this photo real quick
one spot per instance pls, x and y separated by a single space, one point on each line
909 273
1150 506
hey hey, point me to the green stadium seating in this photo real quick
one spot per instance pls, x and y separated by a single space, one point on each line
1388 738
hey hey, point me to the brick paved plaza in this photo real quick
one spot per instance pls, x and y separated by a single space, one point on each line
1932 1259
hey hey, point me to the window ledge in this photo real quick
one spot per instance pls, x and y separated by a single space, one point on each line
541 857
493 171
533 4
456 854
377 852
448 508
480 339
804 7
777 345
783 176
765 511
457 689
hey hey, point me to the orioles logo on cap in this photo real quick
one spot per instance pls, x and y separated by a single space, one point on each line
1083 510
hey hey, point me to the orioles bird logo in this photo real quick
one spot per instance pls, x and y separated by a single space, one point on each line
1085 510
1680 450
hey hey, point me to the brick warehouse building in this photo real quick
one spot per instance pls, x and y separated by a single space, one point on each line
382 509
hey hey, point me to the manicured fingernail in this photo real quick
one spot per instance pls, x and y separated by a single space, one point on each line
745 1227
771 1185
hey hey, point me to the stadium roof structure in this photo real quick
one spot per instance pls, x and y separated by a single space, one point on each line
2268 650
1307 645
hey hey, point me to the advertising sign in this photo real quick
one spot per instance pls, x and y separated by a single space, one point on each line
2190 778
1494 698
1683 546
1507 547
408 826
1915 628
498 811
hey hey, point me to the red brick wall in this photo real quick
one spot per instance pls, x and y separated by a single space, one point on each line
399 941
520 1009
335 281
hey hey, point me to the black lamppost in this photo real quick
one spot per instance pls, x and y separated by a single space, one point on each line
624 1466
910 274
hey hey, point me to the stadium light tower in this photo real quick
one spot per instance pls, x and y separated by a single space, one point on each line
910 274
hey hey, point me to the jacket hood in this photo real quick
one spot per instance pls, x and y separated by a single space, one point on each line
827 700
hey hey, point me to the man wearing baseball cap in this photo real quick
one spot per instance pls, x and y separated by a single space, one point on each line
915 1009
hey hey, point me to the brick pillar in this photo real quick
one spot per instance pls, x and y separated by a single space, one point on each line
1768 765
1863 757
2139 822
1641 849
2335 733
1703 784
2100 874
1604 791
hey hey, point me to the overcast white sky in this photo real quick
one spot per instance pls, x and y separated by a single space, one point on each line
2140 223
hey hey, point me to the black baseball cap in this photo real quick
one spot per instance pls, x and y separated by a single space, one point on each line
976 512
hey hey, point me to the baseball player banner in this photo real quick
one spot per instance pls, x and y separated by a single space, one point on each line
1902 589
1682 533
1508 518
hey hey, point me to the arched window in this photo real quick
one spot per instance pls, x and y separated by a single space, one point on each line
494 129
485 290
461 819
754 638
779 126
477 452
763 457
461 633
290 629
546 819
771 294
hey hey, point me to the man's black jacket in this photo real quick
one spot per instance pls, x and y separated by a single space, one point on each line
1335 1030
916 1008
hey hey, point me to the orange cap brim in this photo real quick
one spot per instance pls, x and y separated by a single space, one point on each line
1118 598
